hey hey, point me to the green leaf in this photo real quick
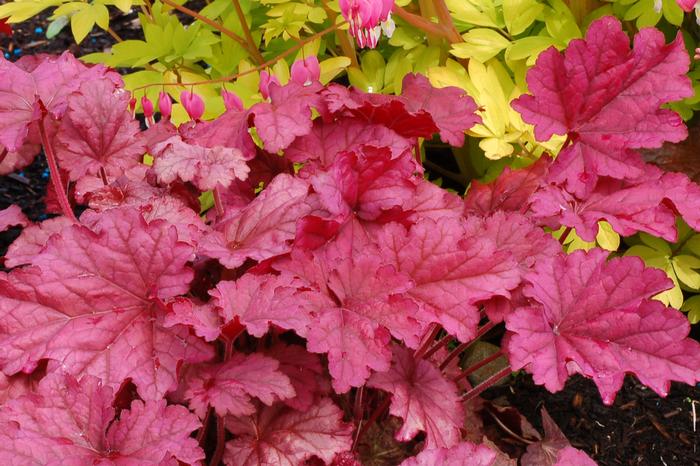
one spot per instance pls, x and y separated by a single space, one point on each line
692 307
684 266
82 22
528 47
56 26
520 14
480 43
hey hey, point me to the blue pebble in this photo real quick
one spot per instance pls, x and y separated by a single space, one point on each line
17 51
7 55
39 30
42 216
93 40
45 175
21 173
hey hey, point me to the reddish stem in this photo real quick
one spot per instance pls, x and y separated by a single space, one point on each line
455 352
246 32
379 410
478 365
103 175
488 383
218 202
425 25
445 341
55 174
564 235
3 154
220 442
445 18
205 425
428 340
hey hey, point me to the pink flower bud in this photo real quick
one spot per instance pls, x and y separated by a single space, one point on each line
194 105
265 80
306 71
132 105
147 106
231 100
165 105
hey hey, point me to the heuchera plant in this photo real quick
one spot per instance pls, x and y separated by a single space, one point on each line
330 277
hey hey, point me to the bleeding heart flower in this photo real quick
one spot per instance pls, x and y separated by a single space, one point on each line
231 100
165 105
194 105
265 80
306 71
367 19
147 106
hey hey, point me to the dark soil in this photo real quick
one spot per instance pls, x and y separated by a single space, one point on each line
639 429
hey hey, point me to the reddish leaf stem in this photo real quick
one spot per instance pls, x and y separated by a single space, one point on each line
379 410
425 25
205 426
427 341
445 341
55 174
218 202
220 442
246 32
103 175
564 235
488 383
445 18
478 365
456 352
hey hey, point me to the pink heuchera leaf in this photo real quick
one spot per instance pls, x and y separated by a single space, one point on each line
202 318
18 108
607 99
228 387
228 130
11 161
98 132
554 449
263 229
284 437
12 216
91 304
73 422
305 372
462 454
431 201
287 115
423 398
204 167
454 265
327 140
360 303
594 317
389 111
629 207
32 240
451 108
686 5
510 191
260 300
365 183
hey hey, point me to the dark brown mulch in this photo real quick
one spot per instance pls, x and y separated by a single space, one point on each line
639 429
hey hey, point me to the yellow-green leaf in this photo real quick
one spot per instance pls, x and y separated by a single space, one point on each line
480 43
692 307
82 22
520 14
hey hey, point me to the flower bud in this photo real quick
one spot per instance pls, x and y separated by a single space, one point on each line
147 107
306 71
194 105
265 80
165 105
232 101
